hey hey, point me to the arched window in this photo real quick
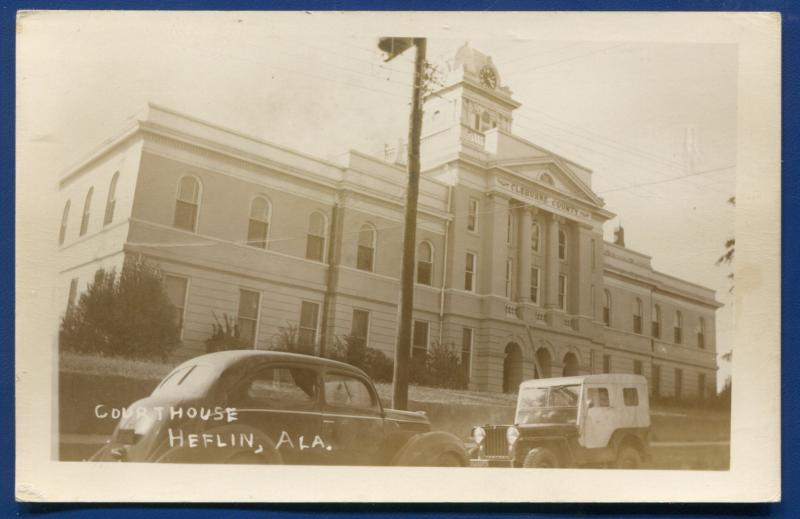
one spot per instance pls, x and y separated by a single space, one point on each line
637 316
425 264
656 322
187 204
607 308
366 248
547 179
562 245
701 333
315 241
258 224
111 201
678 327
536 232
87 208
62 232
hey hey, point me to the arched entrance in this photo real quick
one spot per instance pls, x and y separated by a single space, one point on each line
512 368
543 361
570 365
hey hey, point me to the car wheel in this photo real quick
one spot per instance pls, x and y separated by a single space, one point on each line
448 459
628 458
542 458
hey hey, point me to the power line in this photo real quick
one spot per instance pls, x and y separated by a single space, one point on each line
663 181
579 56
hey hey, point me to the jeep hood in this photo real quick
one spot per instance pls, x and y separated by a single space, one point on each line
537 430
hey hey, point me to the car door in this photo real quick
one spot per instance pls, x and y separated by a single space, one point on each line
600 423
352 419
283 401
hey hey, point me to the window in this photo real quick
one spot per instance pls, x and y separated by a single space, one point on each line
420 344
485 121
656 379
562 292
630 396
509 276
425 264
366 248
593 300
656 323
701 333
346 391
701 386
309 320
547 179
87 208
606 307
637 316
606 363
111 201
187 204
248 315
62 232
469 273
678 327
510 227
360 328
536 233
466 351
678 383
176 288
637 367
535 280
597 396
593 254
315 240
472 217
73 292
562 245
279 388
258 224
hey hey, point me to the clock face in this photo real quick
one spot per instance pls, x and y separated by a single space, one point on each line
488 77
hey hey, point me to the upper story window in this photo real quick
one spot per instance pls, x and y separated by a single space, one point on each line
62 232
187 204
678 327
366 248
637 316
469 272
656 322
486 121
536 233
607 307
315 241
472 216
87 209
258 224
562 292
562 245
535 274
701 333
111 201
425 264
509 276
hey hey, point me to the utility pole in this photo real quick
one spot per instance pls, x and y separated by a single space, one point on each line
402 352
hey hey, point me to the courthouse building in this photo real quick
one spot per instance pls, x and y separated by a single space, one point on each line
512 269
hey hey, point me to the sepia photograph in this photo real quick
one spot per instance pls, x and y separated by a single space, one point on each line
395 241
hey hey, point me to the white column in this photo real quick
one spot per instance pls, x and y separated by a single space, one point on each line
524 222
551 263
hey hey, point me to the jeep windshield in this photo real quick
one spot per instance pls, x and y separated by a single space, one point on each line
548 405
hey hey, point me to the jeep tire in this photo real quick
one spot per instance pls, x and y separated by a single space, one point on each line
628 458
540 457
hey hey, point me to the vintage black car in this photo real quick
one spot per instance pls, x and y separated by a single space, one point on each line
583 421
272 407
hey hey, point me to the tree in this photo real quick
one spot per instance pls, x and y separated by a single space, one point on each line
128 315
730 249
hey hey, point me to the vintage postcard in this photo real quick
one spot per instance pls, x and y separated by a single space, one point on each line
404 256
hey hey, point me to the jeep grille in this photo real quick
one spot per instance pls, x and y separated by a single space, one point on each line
495 443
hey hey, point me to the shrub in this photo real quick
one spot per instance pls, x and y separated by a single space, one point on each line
354 351
440 366
225 336
128 315
287 338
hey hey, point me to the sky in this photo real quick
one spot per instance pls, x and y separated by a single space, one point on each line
654 120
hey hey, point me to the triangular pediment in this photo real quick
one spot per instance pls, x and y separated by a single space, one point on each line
551 172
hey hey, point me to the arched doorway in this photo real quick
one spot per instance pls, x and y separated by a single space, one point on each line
570 365
543 361
512 368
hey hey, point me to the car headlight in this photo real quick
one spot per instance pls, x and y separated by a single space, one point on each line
512 435
478 434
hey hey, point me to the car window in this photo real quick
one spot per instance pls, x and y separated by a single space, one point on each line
280 387
630 396
598 396
188 377
346 391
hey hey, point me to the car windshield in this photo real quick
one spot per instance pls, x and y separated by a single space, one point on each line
548 405
189 378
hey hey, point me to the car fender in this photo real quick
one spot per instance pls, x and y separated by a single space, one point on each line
424 449
263 448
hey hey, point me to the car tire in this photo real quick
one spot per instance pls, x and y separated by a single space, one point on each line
542 458
628 458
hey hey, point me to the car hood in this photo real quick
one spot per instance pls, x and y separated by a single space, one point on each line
406 416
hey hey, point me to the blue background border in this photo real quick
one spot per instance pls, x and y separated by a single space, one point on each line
791 270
